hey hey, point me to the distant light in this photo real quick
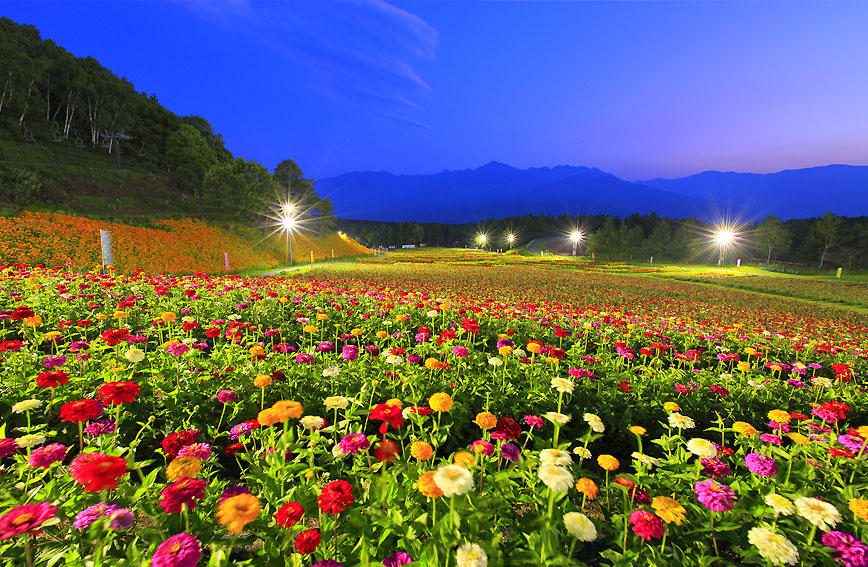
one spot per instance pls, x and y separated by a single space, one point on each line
288 208
510 238
576 236
340 233
483 238
724 237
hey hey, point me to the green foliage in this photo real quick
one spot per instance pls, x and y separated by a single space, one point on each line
20 185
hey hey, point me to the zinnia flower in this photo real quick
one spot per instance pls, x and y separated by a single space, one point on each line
427 486
761 464
80 410
772 546
118 392
25 518
181 550
820 513
608 462
354 443
453 480
187 491
238 511
595 422
558 479
780 504
183 466
336 497
702 448
849 551
97 471
471 555
668 510
580 526
715 497
646 525
307 541
440 402
44 457
289 514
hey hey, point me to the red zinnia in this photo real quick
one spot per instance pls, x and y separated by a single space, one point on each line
174 442
336 496
389 415
97 471
386 450
26 518
646 525
186 490
52 379
80 410
306 542
115 336
10 346
118 392
289 514
22 312
508 427
839 452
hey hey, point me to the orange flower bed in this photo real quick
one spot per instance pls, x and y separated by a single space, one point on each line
174 246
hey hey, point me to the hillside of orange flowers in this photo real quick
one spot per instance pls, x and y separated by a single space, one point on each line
174 246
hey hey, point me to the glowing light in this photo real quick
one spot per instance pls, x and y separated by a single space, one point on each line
576 236
288 208
288 223
483 238
724 237
510 238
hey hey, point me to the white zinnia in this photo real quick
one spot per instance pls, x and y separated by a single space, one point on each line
582 452
331 371
595 422
393 359
453 480
556 417
311 422
26 405
28 441
556 478
680 421
494 361
774 547
563 385
580 527
134 355
780 504
821 514
471 555
336 403
645 459
702 448
555 457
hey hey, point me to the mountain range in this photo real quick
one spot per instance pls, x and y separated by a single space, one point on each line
497 190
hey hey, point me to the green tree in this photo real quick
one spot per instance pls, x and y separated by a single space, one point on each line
825 232
240 188
190 157
771 235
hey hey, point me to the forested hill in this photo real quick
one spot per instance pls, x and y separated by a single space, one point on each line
54 108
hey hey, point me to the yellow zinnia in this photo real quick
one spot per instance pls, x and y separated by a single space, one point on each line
440 402
668 510
608 462
183 466
486 420
238 511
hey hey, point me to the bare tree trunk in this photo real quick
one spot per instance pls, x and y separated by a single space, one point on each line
823 257
68 123
92 116
5 89
26 103
769 259
47 97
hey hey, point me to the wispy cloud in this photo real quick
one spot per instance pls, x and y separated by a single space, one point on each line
360 52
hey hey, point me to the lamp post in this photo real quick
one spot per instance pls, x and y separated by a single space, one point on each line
511 239
288 224
482 238
723 239
576 237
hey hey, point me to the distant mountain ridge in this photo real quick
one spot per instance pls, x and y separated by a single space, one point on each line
499 190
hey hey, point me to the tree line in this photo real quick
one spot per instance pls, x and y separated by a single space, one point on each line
47 95
825 242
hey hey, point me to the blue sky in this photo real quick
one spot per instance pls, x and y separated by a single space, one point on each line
639 89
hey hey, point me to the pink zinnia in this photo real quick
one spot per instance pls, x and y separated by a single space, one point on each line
8 446
226 396
201 451
354 443
187 491
25 518
715 497
182 550
460 351
646 525
534 421
350 352
44 457
482 446
761 464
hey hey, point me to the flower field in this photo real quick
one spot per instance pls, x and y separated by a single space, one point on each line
175 246
426 413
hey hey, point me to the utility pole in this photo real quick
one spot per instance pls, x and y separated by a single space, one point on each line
115 140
